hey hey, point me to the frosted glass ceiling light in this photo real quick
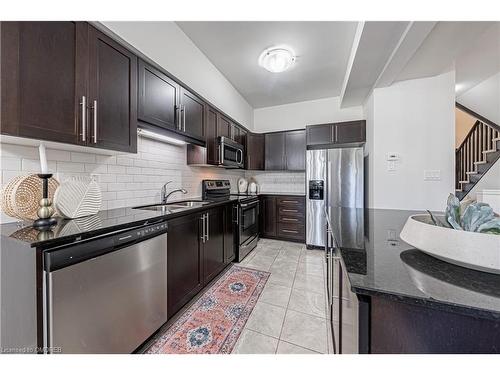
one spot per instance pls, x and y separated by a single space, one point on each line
277 59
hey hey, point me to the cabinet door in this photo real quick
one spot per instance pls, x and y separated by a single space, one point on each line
184 263
242 136
235 132
350 132
113 94
229 244
158 97
223 126
213 248
255 151
275 151
268 216
44 77
320 134
295 145
193 114
211 136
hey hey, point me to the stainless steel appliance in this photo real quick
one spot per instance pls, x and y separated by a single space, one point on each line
245 214
334 179
230 153
106 294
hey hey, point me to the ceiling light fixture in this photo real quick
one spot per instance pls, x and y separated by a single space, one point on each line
277 59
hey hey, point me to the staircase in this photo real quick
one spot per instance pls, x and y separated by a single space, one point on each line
475 156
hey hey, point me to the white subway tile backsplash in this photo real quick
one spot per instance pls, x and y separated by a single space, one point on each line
81 157
63 166
11 164
118 169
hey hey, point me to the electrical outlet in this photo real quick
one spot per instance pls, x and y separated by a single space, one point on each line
432 175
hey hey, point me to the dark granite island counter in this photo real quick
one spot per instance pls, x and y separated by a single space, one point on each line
410 302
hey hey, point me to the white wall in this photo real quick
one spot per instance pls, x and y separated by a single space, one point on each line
484 98
415 119
490 181
298 115
166 44
369 112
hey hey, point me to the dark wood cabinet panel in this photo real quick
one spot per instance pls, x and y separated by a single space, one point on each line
242 136
295 146
184 262
268 216
320 134
192 113
158 97
229 245
44 78
255 151
223 126
211 135
275 151
350 132
113 94
213 248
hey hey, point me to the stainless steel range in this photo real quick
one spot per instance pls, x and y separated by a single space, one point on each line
245 214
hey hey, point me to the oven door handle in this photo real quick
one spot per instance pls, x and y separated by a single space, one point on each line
245 205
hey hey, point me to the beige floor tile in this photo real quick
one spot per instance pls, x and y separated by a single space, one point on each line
282 277
266 319
305 330
251 342
308 303
260 262
267 251
308 268
284 266
287 348
311 283
276 294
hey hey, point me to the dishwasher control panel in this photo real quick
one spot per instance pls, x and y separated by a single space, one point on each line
142 232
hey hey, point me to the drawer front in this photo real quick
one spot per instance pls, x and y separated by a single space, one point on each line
289 219
292 231
291 212
291 202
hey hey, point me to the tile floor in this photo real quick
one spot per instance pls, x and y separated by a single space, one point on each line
290 315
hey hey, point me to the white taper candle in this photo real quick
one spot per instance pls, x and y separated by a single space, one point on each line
43 159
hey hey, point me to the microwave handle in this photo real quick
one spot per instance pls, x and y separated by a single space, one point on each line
240 152
221 153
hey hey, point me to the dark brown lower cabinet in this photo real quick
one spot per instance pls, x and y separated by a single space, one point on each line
193 260
283 217
213 246
184 261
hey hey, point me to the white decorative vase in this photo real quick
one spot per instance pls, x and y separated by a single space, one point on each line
479 251
78 197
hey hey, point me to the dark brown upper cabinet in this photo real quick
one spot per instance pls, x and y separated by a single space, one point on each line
67 82
254 147
211 130
158 97
285 150
44 75
350 132
112 93
224 126
275 151
295 149
242 136
192 112
336 133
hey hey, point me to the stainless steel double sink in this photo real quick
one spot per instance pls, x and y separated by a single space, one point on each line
174 206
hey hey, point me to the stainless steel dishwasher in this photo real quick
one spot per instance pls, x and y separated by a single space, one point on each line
107 294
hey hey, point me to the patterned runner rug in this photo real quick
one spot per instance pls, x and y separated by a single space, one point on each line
214 323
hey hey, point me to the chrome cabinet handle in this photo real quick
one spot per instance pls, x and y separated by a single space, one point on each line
202 228
95 121
184 118
208 228
236 215
284 210
83 104
289 219
290 201
289 231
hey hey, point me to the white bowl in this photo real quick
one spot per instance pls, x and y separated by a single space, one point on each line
479 251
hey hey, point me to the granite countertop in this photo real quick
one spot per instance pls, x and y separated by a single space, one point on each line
106 221
282 193
379 263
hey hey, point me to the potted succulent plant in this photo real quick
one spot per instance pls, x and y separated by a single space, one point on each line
468 234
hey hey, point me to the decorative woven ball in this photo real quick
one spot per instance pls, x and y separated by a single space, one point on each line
21 197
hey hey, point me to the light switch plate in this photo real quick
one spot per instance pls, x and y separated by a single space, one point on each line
432 175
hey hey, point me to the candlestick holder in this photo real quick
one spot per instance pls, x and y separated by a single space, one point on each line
45 211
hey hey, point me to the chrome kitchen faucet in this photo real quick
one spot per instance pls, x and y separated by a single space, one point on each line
164 195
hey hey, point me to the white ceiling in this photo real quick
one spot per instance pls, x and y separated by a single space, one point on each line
322 50
346 59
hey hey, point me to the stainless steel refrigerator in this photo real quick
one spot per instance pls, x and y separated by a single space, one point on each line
334 178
